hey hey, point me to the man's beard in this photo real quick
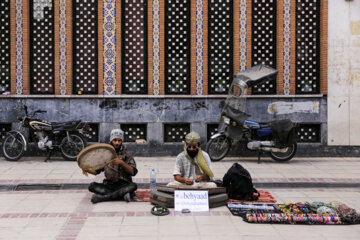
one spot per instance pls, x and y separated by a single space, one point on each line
192 153
117 150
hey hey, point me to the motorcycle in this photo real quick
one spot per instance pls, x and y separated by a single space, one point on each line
68 137
277 138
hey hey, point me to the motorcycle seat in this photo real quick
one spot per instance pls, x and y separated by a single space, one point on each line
70 125
264 125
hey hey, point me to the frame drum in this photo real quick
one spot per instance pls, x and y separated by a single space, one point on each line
96 156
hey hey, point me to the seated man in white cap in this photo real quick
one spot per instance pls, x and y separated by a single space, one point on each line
118 184
192 166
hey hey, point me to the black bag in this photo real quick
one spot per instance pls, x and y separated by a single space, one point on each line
239 184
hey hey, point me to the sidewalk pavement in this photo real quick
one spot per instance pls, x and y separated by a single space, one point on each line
69 214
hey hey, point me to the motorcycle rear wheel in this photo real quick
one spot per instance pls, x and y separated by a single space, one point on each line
70 149
218 147
13 147
286 156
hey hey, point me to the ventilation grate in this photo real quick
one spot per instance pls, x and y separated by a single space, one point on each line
175 132
132 132
309 133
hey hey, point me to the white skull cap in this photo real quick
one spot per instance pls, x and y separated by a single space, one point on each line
116 133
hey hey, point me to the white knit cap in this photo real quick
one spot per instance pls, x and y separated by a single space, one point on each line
116 133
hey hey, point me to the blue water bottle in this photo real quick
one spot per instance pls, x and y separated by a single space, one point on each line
152 180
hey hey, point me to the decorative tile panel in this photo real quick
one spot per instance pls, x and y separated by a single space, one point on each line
42 42
85 47
62 35
287 49
5 62
132 132
199 47
307 61
19 46
220 49
264 40
134 46
177 46
156 46
4 128
211 130
243 34
109 41
309 133
175 132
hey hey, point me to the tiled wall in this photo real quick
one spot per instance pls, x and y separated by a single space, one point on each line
162 47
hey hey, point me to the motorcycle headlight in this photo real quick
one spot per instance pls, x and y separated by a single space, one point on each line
226 120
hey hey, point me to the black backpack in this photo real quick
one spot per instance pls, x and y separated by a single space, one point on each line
239 184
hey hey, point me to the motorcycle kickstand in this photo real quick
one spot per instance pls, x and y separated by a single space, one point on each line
259 156
48 156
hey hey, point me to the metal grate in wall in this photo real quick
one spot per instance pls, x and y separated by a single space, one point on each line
307 75
211 130
175 132
264 40
85 46
93 133
4 128
309 133
177 46
134 46
220 49
42 65
4 46
132 132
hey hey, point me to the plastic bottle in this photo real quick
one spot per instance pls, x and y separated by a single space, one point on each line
152 180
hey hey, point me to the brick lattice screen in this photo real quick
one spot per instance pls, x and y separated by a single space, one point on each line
307 47
264 40
220 49
42 40
85 47
177 46
134 46
5 60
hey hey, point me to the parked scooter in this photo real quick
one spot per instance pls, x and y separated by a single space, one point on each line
68 137
278 138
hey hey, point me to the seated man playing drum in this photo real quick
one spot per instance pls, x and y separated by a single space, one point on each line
118 184
192 166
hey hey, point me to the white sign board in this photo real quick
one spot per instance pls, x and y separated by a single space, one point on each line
195 201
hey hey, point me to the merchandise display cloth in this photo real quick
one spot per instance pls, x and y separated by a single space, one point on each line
142 195
265 197
333 213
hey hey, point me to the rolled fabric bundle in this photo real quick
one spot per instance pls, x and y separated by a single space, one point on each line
348 214
315 205
335 205
325 210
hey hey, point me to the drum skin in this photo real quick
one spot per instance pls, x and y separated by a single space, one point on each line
96 156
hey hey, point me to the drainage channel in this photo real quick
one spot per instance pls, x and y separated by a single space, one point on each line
80 186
